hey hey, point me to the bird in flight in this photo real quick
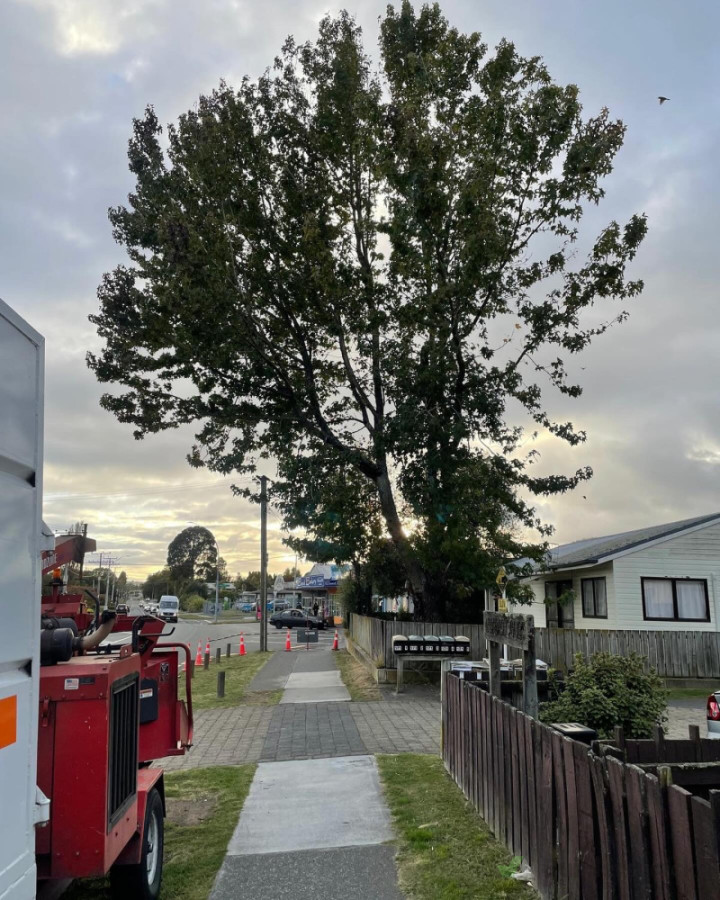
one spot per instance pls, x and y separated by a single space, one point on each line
662 100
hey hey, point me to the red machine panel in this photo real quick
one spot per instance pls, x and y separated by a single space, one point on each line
88 763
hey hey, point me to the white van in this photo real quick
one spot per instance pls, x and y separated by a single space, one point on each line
168 608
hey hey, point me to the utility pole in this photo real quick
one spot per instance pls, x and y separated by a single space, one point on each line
217 578
263 562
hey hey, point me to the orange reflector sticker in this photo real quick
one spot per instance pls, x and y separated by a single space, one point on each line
8 721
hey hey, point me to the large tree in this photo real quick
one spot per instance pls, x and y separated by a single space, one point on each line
377 268
192 554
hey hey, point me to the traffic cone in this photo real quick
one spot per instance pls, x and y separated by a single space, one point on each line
198 656
207 646
335 641
242 644
288 642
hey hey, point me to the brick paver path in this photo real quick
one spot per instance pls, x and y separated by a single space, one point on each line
310 730
400 726
225 737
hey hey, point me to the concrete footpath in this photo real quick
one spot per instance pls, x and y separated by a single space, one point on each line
311 829
314 828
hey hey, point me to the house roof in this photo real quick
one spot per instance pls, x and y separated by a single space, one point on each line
600 549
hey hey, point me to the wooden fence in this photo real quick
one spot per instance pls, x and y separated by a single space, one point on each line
374 636
590 826
674 654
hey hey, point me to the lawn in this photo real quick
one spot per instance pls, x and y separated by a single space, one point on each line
445 850
359 682
688 693
239 672
203 809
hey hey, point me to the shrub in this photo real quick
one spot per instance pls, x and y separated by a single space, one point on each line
192 603
608 691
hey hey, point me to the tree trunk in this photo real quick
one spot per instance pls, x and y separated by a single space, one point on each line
415 572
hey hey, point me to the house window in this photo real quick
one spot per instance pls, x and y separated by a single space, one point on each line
559 615
594 598
675 599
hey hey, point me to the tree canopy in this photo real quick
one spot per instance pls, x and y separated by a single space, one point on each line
192 554
372 274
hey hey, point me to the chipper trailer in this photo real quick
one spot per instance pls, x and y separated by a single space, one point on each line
81 718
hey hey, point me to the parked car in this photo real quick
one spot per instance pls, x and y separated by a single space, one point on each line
713 715
247 607
122 609
295 618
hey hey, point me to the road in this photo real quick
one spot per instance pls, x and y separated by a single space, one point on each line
194 631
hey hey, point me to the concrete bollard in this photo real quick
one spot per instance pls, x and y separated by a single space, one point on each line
206 662
221 683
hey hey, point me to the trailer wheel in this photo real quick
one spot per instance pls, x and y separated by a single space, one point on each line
142 880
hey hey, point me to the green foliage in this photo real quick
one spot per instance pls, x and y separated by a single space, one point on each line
192 603
608 691
391 264
192 554
159 583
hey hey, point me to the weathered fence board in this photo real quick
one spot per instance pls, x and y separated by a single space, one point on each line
590 826
674 654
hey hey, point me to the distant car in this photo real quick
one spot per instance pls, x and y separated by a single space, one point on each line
247 607
713 715
295 618
280 605
168 607
122 609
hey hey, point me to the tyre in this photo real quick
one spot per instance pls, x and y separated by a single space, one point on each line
278 626
142 880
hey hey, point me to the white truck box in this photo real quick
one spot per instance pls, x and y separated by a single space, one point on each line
21 434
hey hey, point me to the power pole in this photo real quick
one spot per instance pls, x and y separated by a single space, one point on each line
263 562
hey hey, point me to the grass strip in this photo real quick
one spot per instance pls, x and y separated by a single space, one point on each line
203 809
688 693
445 850
239 672
356 678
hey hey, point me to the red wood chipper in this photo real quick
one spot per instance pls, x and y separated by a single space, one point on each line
107 710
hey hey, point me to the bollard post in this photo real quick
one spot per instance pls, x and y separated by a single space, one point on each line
221 683
227 651
218 654
192 668
206 663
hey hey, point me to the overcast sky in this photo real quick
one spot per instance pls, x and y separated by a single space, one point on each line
73 73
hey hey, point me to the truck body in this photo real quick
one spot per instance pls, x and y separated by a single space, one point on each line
21 543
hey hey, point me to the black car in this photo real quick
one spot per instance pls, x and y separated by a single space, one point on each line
295 618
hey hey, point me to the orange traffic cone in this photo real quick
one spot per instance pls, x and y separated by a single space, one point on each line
288 642
242 644
198 656
335 641
207 646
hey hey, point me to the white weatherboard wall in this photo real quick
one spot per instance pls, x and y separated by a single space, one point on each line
538 608
692 555
21 423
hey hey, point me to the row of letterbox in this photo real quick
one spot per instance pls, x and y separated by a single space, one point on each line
431 643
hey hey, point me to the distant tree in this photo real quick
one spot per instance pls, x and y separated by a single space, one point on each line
192 554
291 573
374 271
252 582
159 583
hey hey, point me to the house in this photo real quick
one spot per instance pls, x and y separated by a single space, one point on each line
659 578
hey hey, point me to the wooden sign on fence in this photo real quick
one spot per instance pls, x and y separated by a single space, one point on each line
516 631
